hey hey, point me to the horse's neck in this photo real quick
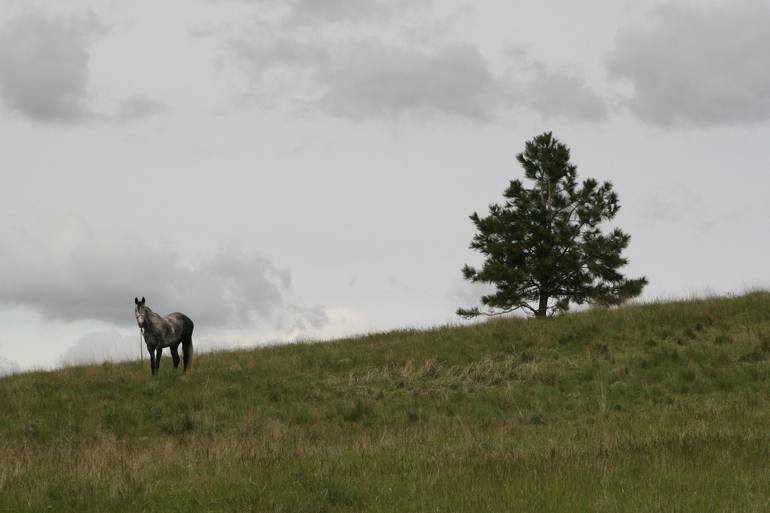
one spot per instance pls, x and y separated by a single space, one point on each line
154 322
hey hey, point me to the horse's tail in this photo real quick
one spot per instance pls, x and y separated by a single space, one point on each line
187 345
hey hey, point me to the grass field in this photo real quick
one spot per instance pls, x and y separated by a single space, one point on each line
654 408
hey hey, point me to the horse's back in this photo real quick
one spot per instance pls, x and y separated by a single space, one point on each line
185 322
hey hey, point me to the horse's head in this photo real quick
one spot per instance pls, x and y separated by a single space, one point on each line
140 313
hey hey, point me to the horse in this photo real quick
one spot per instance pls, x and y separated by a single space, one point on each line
168 331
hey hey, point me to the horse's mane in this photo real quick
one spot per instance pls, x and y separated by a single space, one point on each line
152 316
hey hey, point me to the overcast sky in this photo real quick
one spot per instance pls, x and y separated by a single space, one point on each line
299 169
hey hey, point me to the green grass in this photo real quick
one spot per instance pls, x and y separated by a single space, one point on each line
654 408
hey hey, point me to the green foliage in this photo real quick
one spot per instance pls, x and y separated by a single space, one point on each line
660 407
543 246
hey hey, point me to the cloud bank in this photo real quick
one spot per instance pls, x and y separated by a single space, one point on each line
697 63
368 70
356 11
340 11
66 270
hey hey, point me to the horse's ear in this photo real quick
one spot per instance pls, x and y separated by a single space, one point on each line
142 299
136 300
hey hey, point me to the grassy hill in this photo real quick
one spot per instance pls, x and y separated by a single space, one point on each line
661 407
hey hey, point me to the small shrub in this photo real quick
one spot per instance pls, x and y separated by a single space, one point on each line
356 412
536 420
600 350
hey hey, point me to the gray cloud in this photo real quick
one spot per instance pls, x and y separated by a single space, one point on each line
68 271
367 78
44 65
8 367
137 107
697 63
373 70
335 11
44 70
554 94
371 79
265 52
352 10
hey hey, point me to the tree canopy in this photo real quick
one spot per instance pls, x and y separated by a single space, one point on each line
543 246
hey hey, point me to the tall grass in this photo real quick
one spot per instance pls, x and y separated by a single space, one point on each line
660 407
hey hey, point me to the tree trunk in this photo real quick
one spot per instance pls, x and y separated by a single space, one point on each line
542 309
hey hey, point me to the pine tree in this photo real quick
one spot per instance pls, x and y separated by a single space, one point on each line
543 247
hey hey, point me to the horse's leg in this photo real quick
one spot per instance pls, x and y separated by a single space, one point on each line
152 359
158 354
175 354
187 352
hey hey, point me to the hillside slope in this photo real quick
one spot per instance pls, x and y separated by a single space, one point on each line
660 407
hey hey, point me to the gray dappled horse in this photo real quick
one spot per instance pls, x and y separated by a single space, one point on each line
168 331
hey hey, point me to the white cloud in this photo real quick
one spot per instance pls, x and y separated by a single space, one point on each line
66 270
102 346
697 63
